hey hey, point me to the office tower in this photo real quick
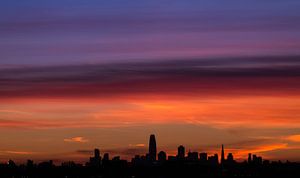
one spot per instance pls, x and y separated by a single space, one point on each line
256 160
249 158
96 160
152 148
259 160
230 158
162 156
203 157
213 160
106 157
181 152
96 153
222 155
216 156
137 160
192 156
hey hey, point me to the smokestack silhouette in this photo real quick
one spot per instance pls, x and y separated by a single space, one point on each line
152 148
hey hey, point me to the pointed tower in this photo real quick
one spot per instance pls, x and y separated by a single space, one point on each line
152 148
222 155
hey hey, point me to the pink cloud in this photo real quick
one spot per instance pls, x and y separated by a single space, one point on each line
76 140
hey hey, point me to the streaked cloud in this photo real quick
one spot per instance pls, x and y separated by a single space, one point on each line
267 148
76 140
12 152
293 138
202 77
137 145
85 152
145 30
242 111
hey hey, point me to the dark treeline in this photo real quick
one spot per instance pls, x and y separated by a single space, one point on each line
153 165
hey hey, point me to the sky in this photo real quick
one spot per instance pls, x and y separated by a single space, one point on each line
76 75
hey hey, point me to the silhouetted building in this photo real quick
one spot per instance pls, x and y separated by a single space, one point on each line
213 160
46 164
192 156
181 152
96 160
106 157
266 162
172 158
11 163
203 157
68 164
152 148
162 156
137 160
97 153
116 158
148 157
222 155
257 160
29 163
143 157
230 159
249 158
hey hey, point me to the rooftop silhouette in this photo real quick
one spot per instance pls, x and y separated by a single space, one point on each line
153 164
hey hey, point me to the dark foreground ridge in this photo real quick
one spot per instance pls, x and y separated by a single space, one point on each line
153 165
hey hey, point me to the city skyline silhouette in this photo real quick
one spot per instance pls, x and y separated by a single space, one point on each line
153 164
149 89
154 154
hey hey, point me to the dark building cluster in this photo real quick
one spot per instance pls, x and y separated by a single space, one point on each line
155 165
201 158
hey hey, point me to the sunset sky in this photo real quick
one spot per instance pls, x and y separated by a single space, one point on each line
76 75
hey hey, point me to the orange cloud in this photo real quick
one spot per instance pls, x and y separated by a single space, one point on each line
16 152
271 147
137 145
222 112
218 112
76 139
261 150
293 138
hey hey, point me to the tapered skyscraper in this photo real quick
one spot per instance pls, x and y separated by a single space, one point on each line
152 148
222 155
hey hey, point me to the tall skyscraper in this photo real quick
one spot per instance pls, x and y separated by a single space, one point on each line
181 152
96 160
152 148
222 155
249 158
97 153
